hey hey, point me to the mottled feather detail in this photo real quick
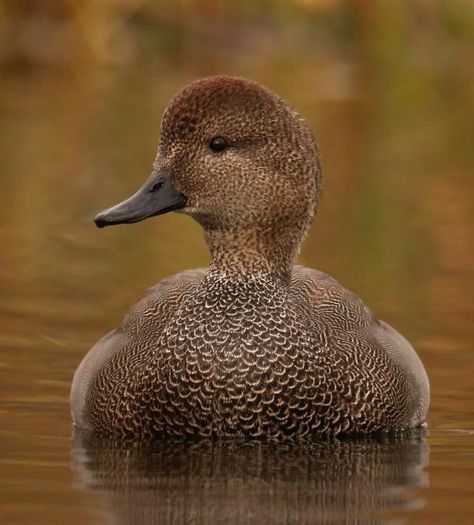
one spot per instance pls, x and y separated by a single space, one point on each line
213 358
252 346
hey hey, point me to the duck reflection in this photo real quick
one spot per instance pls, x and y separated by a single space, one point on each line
338 482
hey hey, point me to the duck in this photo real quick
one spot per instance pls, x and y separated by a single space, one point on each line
254 346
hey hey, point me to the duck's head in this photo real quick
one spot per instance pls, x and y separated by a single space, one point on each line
236 158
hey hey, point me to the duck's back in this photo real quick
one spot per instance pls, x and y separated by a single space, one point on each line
201 356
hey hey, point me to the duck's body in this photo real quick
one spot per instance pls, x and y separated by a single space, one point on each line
203 356
252 346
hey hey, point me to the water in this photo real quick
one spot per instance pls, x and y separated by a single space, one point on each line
228 482
395 226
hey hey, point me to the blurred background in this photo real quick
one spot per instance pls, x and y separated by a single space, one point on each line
387 87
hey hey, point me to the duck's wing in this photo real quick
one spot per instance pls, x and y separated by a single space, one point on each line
353 329
141 324
334 306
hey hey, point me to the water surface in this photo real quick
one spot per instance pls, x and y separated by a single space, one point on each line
395 226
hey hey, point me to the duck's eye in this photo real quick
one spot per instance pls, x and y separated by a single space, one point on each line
218 144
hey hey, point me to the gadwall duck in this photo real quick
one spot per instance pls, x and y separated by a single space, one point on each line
252 346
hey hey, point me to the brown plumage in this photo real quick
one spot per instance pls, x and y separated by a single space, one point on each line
252 346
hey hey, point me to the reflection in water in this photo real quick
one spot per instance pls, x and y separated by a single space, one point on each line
339 482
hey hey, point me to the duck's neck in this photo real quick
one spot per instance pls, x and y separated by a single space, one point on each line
247 252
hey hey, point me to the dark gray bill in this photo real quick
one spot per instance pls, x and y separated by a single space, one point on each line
155 197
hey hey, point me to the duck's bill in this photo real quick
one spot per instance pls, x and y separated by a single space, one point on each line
155 197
